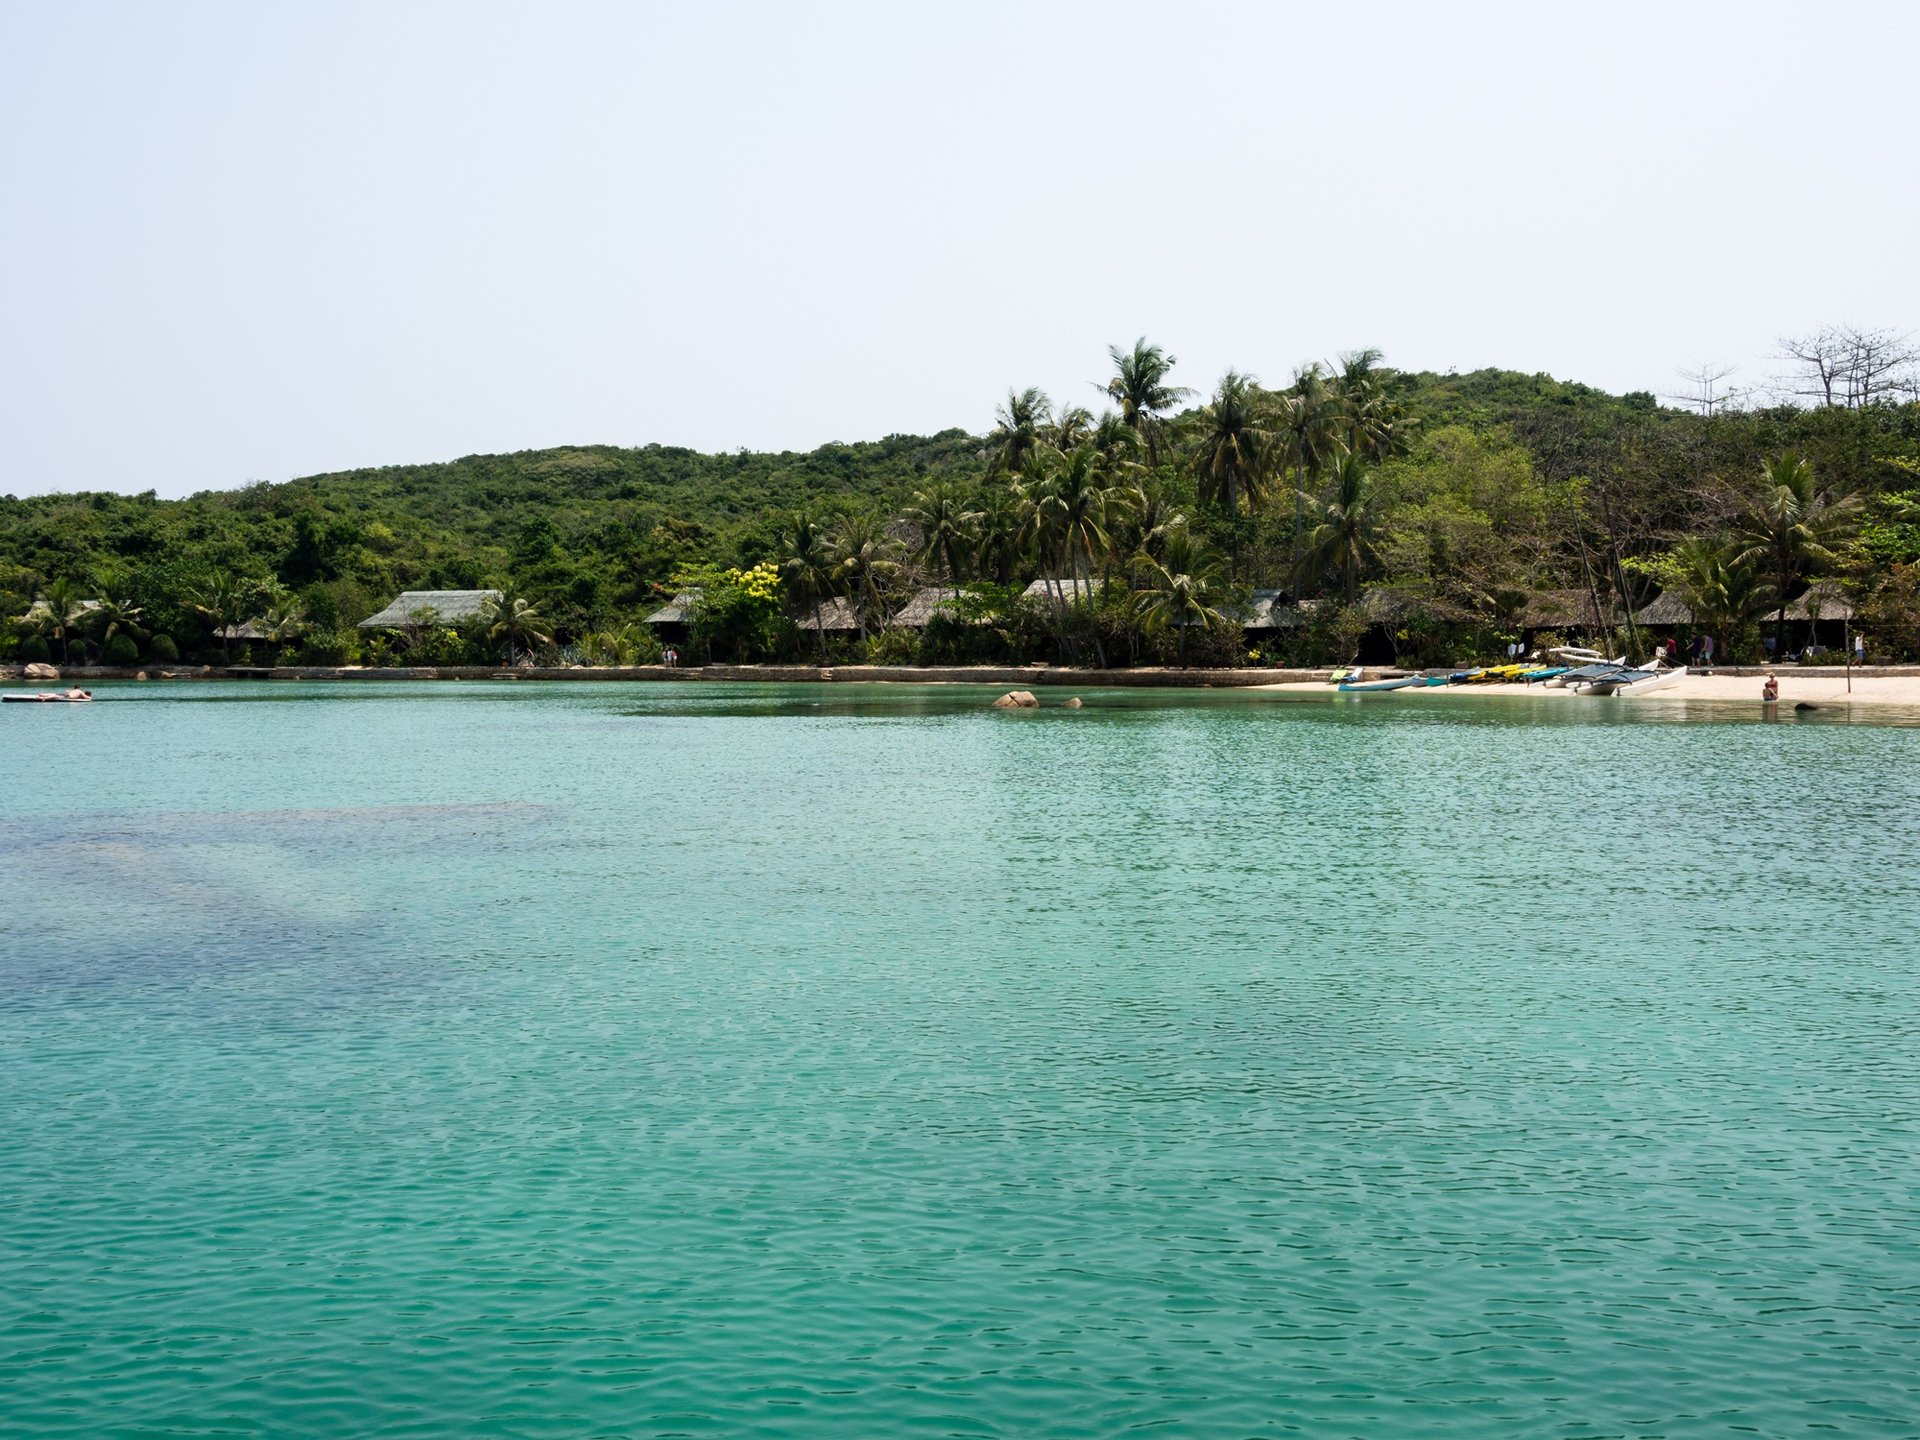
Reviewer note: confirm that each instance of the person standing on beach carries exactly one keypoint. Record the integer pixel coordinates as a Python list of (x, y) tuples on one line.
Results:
[(1706, 651)]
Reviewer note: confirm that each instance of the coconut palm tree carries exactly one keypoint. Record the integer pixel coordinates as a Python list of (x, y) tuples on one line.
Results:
[(1119, 444), (1795, 528), (1235, 448), (1072, 500), (1372, 424), (1072, 427), (1139, 387), (948, 528), (1017, 429), (1309, 430), (1723, 586), (511, 620), (66, 608), (1181, 588), (805, 554), (1344, 541), (115, 614), (866, 561), (223, 602), (1001, 531), (283, 619)]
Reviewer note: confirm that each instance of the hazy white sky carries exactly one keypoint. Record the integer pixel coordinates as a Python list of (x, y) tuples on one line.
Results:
[(256, 241)]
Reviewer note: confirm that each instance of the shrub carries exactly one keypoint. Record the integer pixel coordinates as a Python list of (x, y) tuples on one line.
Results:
[(34, 648), (162, 649), (333, 645), (894, 647), (120, 650)]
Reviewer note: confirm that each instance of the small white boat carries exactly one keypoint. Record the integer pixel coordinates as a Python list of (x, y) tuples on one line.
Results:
[(1584, 671), (1659, 680)]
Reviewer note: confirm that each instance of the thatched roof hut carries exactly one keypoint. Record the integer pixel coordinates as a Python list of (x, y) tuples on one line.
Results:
[(836, 616), (437, 607), (925, 603), (1262, 613), (246, 630), (40, 609), (678, 610), (1070, 588), (1666, 612), (1568, 610), (1826, 597)]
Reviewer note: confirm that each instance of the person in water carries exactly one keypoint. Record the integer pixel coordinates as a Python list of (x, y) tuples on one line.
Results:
[(1770, 692)]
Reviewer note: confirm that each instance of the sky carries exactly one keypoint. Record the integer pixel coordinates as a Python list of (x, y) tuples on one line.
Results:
[(248, 242)]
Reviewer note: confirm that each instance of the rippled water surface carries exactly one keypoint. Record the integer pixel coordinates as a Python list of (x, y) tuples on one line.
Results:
[(514, 1060)]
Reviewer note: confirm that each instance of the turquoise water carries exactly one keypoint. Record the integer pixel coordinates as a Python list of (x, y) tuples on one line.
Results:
[(515, 1060)]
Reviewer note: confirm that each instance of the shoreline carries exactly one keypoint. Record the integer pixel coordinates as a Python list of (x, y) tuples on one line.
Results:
[(1824, 685)]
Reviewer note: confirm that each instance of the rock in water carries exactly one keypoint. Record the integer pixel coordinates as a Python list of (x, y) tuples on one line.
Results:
[(40, 670), (1073, 702), (1017, 700)]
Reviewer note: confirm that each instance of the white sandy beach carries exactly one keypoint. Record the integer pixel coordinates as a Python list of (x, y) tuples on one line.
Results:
[(1820, 689)]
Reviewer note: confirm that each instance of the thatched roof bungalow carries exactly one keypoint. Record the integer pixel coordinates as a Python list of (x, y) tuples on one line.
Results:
[(436, 607), (40, 609), (837, 617), (1069, 588), (1826, 597), (1568, 610), (1669, 612), (924, 604), (677, 611)]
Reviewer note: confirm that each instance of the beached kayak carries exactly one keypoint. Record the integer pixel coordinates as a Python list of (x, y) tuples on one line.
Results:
[(1400, 682)]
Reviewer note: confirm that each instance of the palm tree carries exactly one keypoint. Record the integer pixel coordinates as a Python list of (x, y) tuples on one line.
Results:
[(1017, 428), (1072, 427), (1180, 590), (1796, 527), (284, 618), (1235, 445), (1002, 531), (1072, 499), (1723, 586), (865, 561), (1117, 442), (115, 614), (66, 608), (512, 620), (1139, 387), (1344, 542), (1309, 430), (806, 556), (948, 528), (223, 602), (1372, 424)]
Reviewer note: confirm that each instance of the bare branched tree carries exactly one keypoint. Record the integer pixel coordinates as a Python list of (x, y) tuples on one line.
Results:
[(1849, 366), (1703, 394)]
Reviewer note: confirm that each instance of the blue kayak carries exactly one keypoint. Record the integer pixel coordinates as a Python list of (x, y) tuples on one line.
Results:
[(1366, 685)]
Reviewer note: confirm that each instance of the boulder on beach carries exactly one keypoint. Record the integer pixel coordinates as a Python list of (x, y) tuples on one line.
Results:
[(40, 670), (1017, 700)]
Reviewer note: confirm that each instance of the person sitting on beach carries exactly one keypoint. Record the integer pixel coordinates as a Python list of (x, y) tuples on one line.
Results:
[(1770, 692)]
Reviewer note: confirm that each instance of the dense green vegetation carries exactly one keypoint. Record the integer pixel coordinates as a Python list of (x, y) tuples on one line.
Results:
[(1422, 512)]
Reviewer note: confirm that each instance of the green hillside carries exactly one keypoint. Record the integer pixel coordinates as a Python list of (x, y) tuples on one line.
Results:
[(1477, 488)]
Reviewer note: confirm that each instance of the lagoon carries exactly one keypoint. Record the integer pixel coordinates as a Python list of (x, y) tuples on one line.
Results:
[(549, 1060)]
